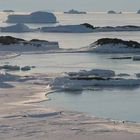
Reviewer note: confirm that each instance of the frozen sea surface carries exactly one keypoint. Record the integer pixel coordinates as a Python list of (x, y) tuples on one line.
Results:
[(108, 103)]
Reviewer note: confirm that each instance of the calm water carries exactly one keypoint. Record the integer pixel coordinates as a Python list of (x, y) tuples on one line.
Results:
[(108, 103)]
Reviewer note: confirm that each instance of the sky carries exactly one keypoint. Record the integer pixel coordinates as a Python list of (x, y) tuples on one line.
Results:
[(63, 5)]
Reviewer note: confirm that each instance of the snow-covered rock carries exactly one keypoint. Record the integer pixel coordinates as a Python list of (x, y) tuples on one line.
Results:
[(112, 45), (35, 17), (85, 28), (81, 28), (18, 28), (117, 28), (8, 43)]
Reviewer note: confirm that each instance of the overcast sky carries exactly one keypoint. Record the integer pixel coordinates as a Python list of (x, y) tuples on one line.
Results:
[(60, 5)]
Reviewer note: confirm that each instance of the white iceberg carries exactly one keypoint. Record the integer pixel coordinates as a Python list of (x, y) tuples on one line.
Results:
[(18, 28), (35, 17)]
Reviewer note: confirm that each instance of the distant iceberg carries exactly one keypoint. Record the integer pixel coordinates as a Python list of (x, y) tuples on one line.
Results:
[(72, 11), (36, 17), (18, 28)]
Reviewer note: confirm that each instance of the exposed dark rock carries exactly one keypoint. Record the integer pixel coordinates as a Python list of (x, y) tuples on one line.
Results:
[(7, 40), (10, 67), (125, 57), (88, 78)]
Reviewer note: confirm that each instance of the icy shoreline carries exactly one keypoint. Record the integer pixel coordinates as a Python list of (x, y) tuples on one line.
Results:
[(39, 119)]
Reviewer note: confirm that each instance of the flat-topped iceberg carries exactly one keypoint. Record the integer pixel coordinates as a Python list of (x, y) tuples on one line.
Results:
[(81, 28), (18, 28), (8, 43), (113, 45), (35, 17)]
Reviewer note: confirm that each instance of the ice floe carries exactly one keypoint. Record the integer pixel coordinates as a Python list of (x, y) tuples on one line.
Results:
[(73, 81)]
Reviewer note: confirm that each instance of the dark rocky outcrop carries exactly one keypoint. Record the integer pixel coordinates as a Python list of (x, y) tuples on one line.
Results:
[(7, 40)]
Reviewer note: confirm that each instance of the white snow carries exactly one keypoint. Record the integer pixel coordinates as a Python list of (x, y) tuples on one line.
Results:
[(35, 17), (18, 28)]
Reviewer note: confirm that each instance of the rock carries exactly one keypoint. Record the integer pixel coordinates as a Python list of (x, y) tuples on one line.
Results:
[(26, 68), (10, 67), (111, 12)]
